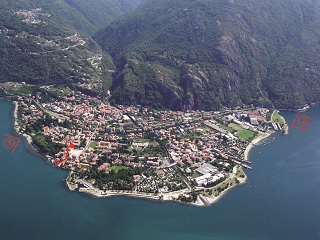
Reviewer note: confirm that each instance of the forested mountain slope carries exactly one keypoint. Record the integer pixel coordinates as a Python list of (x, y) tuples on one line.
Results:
[(44, 41), (204, 54), (101, 12)]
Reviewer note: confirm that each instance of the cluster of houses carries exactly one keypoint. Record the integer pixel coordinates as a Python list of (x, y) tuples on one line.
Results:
[(209, 174), (30, 16), (162, 181), (97, 129)]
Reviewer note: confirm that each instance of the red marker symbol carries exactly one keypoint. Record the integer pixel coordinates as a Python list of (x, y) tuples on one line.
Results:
[(66, 157), (10, 142), (301, 122)]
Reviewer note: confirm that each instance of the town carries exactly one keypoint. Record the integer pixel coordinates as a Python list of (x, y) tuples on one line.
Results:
[(191, 156)]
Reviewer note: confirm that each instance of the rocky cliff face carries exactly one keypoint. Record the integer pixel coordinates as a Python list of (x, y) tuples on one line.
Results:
[(218, 53)]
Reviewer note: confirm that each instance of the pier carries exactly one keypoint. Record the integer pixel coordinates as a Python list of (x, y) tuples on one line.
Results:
[(242, 163)]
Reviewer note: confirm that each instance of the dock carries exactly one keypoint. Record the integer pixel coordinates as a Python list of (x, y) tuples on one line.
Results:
[(240, 162)]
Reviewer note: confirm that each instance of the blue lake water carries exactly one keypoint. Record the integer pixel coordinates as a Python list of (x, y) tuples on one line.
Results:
[(281, 199)]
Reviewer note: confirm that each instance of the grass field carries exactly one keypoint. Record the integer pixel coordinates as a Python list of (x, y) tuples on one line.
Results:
[(196, 174), (92, 145), (285, 129), (144, 140), (117, 168), (241, 132), (275, 117), (240, 171), (229, 129)]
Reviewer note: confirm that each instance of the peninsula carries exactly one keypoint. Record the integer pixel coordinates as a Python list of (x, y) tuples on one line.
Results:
[(193, 157)]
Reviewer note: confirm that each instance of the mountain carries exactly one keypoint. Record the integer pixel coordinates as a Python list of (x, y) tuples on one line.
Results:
[(204, 54), (34, 48), (58, 13), (101, 12), (80, 15), (46, 41)]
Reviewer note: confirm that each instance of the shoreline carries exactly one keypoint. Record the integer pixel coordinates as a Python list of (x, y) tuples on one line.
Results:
[(16, 127), (16, 130), (208, 201), (211, 201), (88, 191), (202, 201), (252, 144), (299, 109)]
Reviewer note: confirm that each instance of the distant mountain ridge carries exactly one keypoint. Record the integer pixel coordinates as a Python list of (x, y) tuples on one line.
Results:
[(205, 54), (81, 15), (101, 12)]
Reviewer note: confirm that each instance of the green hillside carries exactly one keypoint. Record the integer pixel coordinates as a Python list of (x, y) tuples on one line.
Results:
[(58, 13), (35, 50), (101, 12), (203, 54), (45, 42), (80, 15)]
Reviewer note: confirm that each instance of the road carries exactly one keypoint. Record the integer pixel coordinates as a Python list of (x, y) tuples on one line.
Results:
[(53, 114)]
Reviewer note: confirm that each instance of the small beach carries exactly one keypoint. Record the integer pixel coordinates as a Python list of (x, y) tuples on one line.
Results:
[(253, 143), (17, 127)]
